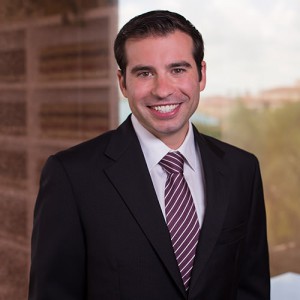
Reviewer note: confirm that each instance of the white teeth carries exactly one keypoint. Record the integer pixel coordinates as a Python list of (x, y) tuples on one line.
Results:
[(165, 108)]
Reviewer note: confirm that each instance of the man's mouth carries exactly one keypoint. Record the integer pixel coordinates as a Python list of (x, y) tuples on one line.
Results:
[(165, 108)]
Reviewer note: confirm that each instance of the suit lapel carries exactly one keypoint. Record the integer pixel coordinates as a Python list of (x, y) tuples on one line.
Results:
[(129, 174), (216, 204)]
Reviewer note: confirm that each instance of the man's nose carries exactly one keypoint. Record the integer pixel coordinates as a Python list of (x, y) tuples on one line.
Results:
[(162, 87)]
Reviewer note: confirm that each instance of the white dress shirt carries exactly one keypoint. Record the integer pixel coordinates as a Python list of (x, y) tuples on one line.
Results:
[(154, 150)]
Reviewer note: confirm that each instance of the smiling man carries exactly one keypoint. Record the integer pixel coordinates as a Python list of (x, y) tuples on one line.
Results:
[(162, 84), (153, 209)]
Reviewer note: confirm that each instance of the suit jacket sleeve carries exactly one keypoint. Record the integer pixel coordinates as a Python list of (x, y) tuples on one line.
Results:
[(254, 280), (58, 252)]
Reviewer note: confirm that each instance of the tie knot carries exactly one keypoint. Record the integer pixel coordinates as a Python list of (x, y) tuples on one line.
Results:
[(172, 162)]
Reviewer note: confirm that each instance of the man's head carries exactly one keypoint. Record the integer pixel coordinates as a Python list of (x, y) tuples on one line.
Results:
[(157, 23), (162, 72)]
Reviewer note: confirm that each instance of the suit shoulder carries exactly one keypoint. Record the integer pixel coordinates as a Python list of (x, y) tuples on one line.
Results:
[(230, 152), (86, 150)]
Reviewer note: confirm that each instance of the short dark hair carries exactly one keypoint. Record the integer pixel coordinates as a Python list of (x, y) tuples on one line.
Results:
[(157, 23)]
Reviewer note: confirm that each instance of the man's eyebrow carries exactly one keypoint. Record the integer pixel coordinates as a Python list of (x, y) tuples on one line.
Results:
[(180, 64), (140, 68)]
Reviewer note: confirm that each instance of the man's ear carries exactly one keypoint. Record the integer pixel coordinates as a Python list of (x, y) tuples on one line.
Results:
[(122, 83), (203, 78)]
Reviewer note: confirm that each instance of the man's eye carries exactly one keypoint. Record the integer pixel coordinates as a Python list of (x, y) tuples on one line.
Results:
[(178, 70), (144, 74)]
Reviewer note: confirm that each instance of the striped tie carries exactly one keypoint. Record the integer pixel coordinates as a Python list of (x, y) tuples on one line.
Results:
[(181, 215)]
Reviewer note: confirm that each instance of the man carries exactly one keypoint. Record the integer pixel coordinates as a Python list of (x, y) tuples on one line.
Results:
[(104, 226)]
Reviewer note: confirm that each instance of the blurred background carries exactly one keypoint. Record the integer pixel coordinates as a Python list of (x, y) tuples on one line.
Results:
[(58, 87)]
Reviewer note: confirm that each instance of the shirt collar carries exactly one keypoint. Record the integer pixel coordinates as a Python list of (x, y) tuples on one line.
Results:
[(154, 149)]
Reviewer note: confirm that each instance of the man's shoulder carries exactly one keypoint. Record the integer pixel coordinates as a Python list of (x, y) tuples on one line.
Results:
[(98, 144), (103, 147), (229, 153), (83, 157), (225, 146), (87, 148)]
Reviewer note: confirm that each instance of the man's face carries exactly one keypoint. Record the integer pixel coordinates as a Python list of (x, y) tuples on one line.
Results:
[(162, 84)]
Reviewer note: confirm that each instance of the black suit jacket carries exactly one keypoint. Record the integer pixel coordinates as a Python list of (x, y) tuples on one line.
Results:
[(99, 232)]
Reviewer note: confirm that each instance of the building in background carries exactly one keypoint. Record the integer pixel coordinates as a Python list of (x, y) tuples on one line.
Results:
[(220, 107), (57, 88)]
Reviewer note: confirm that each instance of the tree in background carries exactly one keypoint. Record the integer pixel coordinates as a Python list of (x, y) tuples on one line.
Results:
[(273, 135)]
